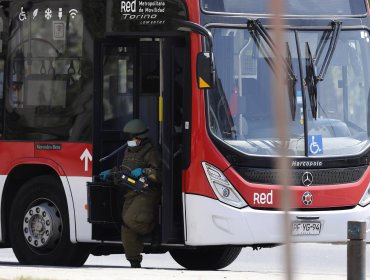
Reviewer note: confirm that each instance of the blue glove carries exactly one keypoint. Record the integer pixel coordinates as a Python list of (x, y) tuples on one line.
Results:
[(137, 172), (104, 175)]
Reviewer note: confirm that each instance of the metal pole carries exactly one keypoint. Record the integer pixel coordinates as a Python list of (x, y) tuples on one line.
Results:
[(282, 128), (356, 250)]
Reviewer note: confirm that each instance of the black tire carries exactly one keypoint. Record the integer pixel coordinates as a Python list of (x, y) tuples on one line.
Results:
[(206, 258), (43, 238)]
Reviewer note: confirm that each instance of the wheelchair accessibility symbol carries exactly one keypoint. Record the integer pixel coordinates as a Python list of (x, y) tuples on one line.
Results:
[(22, 15), (315, 145)]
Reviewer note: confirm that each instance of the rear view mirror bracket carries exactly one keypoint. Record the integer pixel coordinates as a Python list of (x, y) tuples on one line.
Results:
[(205, 60), (188, 26)]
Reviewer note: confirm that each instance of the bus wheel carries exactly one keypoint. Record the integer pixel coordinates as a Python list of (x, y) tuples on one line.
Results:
[(39, 226), (206, 258)]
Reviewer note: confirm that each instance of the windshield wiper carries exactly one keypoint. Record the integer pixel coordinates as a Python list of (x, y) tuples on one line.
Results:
[(311, 78), (336, 28), (292, 84), (255, 26)]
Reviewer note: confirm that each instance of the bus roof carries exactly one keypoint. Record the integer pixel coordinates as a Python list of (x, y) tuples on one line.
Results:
[(299, 8)]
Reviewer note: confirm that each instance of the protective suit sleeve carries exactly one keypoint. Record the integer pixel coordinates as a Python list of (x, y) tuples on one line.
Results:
[(154, 169)]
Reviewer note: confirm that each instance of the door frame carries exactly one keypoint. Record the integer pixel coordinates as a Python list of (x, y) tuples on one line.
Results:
[(166, 221)]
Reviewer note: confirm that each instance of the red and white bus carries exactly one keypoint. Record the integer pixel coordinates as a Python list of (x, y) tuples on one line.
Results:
[(200, 74)]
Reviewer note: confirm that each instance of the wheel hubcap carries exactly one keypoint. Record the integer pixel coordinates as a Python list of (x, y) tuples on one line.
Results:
[(42, 225)]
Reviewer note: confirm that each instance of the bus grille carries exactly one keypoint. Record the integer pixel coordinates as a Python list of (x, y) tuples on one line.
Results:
[(332, 176)]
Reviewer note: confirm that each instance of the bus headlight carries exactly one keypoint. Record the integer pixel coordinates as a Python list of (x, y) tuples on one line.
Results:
[(223, 189), (365, 200)]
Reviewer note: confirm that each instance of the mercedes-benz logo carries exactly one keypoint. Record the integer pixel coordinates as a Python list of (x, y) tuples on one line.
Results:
[(307, 179)]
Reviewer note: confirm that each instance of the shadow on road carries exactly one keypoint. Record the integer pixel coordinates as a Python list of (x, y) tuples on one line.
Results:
[(2, 264), (16, 264)]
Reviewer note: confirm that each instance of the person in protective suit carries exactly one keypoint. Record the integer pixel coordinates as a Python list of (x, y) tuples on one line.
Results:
[(139, 212)]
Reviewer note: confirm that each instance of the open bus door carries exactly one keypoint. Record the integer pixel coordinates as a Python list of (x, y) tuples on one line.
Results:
[(140, 78), (176, 141)]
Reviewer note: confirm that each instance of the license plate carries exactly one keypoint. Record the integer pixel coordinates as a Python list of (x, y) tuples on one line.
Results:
[(306, 228)]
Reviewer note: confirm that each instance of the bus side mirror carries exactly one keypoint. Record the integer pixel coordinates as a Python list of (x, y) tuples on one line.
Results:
[(205, 70)]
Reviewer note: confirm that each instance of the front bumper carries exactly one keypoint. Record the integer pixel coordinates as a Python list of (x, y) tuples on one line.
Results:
[(210, 222)]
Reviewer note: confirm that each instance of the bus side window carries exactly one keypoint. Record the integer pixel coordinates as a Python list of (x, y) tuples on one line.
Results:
[(49, 86)]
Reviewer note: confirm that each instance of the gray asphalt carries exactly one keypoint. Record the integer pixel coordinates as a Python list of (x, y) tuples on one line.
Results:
[(310, 261)]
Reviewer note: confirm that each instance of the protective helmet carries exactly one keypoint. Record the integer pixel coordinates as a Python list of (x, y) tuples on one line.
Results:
[(136, 128)]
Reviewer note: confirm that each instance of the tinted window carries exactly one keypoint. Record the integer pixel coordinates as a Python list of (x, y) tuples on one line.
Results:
[(118, 86), (49, 92), (149, 67)]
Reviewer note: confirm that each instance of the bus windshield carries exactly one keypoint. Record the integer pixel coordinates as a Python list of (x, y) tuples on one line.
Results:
[(292, 7), (241, 106)]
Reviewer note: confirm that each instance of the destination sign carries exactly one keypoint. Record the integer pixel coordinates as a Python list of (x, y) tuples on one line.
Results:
[(144, 12), (141, 15)]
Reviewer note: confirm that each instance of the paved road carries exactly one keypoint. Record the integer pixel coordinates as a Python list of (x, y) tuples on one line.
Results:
[(311, 262)]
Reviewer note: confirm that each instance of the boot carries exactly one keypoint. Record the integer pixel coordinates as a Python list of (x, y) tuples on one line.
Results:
[(135, 264)]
